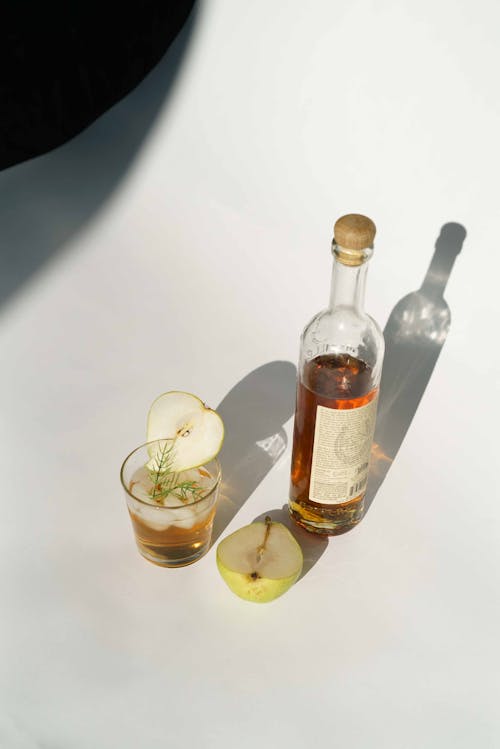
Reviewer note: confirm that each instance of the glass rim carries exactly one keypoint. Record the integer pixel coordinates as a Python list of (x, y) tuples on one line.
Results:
[(217, 478)]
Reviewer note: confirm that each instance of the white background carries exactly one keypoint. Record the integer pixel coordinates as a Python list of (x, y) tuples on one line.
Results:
[(203, 263)]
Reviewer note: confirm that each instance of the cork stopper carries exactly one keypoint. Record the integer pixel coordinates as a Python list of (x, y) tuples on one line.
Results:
[(353, 237)]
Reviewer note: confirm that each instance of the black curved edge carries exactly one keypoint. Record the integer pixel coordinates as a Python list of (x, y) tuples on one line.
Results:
[(65, 65)]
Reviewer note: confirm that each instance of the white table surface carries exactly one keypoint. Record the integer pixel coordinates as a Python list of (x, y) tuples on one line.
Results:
[(203, 257)]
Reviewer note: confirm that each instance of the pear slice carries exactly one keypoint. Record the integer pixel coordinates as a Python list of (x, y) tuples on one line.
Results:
[(198, 430), (259, 562)]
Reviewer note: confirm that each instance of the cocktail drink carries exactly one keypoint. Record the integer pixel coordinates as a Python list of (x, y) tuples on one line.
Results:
[(171, 512)]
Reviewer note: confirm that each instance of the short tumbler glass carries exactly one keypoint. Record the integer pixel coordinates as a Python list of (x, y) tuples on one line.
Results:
[(176, 531)]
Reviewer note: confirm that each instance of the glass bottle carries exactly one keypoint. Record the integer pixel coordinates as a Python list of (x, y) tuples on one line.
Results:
[(340, 364)]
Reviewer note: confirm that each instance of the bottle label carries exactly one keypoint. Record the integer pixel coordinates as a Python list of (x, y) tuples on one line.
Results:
[(341, 453)]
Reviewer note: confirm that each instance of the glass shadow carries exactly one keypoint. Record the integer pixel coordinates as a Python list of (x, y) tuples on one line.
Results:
[(254, 412), (414, 336)]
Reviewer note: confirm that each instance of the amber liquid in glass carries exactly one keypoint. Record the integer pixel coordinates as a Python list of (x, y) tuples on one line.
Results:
[(170, 545), (334, 381), (177, 535)]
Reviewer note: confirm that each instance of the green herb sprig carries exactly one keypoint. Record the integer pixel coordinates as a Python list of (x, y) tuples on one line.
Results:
[(166, 481)]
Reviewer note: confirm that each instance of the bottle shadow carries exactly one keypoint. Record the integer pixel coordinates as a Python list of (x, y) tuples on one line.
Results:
[(414, 336), (254, 412), (45, 201)]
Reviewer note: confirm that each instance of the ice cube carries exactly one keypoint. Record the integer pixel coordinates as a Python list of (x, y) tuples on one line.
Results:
[(173, 501), (184, 518), (157, 518), (172, 510), (140, 485)]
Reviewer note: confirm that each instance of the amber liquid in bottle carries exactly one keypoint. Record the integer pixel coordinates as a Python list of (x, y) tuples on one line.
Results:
[(337, 381)]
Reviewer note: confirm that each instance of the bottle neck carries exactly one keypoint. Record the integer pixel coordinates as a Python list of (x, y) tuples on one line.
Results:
[(348, 285)]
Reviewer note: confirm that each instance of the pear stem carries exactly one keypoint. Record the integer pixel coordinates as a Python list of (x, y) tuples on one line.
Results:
[(261, 548)]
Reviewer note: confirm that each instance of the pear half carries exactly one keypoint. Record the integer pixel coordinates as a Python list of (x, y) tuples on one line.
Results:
[(259, 562), (198, 430)]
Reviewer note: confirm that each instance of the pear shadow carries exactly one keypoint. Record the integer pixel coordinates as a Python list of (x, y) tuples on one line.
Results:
[(415, 333), (254, 412), (313, 546), (45, 201)]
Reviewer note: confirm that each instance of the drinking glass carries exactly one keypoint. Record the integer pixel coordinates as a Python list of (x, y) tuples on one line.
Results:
[(171, 528)]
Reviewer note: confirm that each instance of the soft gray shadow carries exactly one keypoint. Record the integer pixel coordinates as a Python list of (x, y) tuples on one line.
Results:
[(312, 544), (414, 336), (47, 200), (253, 412)]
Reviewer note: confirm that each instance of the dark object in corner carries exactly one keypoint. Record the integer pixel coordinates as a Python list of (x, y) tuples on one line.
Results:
[(63, 65)]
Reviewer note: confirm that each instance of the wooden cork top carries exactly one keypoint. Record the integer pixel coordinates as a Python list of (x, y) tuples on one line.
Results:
[(354, 232)]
